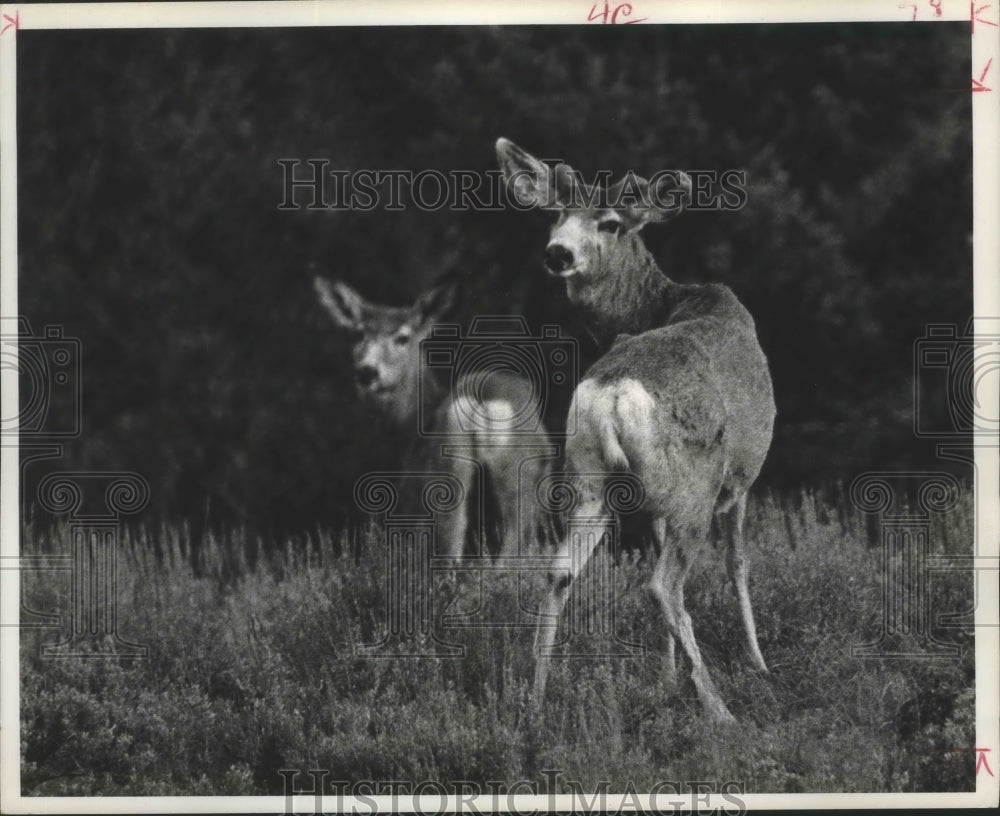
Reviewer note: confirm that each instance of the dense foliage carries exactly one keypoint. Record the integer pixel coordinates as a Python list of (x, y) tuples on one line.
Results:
[(149, 187)]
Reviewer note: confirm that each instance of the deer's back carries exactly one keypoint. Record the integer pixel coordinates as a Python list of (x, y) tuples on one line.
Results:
[(489, 408), (707, 382)]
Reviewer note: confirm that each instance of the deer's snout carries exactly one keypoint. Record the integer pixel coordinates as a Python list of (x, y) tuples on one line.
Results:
[(558, 258), (366, 375)]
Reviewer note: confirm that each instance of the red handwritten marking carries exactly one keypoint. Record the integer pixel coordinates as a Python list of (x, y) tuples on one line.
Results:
[(974, 15), (936, 5), (909, 5), (980, 756), (12, 22), (978, 86), (981, 760), (625, 9)]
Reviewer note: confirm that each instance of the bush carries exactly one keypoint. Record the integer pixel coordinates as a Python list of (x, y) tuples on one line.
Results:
[(262, 672)]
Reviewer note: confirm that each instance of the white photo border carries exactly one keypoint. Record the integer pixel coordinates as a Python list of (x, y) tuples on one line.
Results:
[(985, 50)]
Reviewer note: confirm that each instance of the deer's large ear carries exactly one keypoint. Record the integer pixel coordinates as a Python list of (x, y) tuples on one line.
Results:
[(658, 200), (346, 307), (669, 194), (533, 183), (438, 303)]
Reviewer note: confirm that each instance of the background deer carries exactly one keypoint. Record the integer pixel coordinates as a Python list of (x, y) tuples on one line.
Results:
[(478, 412), (682, 398)]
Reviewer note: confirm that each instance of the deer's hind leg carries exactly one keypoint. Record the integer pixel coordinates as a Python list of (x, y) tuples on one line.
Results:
[(678, 550), (522, 515), (731, 523), (453, 527)]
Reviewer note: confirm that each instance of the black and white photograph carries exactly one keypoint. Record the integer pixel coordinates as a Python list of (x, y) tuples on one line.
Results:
[(465, 408)]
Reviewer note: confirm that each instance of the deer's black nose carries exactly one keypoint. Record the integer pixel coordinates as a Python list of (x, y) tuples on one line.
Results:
[(366, 375), (557, 258)]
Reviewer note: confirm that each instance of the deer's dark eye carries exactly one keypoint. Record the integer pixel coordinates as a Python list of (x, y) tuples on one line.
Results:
[(401, 339), (610, 225)]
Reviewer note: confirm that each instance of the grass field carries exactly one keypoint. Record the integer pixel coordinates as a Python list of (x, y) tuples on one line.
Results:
[(251, 671)]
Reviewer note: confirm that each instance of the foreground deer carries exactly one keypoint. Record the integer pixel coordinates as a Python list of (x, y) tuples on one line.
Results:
[(476, 414), (682, 398)]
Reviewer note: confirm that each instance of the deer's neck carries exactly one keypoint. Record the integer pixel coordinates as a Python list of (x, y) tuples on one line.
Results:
[(630, 299)]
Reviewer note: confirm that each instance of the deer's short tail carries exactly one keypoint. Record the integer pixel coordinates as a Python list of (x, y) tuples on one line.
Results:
[(611, 447)]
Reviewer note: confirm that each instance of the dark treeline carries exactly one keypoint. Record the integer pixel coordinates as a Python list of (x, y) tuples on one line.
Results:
[(149, 189)]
